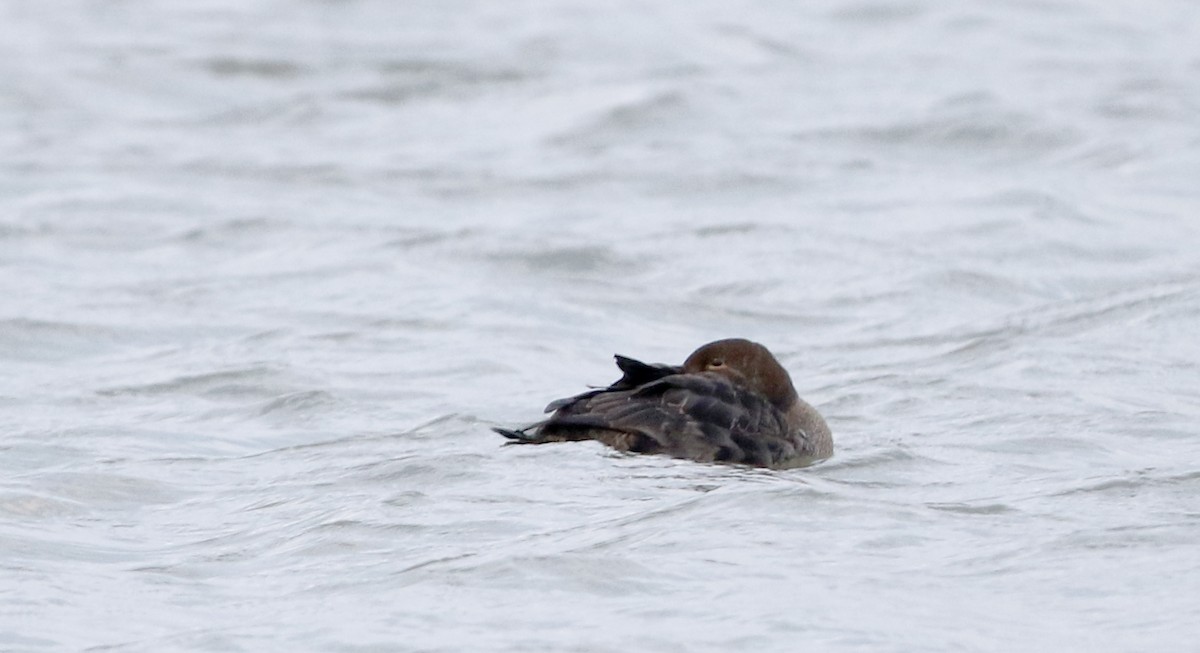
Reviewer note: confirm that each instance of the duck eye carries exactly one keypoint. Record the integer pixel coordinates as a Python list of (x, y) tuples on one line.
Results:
[(716, 362)]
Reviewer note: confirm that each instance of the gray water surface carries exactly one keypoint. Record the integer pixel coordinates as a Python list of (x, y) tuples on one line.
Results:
[(269, 271)]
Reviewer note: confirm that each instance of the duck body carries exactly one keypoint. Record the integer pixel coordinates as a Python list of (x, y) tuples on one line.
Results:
[(730, 402)]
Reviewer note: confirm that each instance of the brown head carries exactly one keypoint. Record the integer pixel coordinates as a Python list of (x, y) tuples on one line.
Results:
[(747, 364)]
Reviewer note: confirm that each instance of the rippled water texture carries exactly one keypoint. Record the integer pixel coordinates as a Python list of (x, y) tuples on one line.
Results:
[(269, 271)]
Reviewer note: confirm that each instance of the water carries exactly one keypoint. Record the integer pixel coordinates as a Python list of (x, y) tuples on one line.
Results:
[(269, 271)]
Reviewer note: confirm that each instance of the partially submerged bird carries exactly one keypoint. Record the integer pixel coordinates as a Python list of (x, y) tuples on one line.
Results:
[(730, 401)]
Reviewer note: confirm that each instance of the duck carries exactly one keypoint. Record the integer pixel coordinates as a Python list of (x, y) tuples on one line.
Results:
[(731, 401)]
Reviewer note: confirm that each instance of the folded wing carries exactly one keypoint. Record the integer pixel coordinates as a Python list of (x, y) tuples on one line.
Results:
[(658, 409)]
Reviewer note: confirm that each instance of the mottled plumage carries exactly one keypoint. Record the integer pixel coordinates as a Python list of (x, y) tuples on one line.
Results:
[(730, 401)]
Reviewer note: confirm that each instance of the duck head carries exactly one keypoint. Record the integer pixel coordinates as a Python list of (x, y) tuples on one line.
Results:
[(747, 364)]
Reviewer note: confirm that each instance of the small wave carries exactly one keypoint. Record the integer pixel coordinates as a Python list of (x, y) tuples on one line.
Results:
[(48, 340), (241, 382), (33, 506), (266, 68), (403, 81), (613, 117), (981, 131), (973, 508), (298, 402), (1130, 483)]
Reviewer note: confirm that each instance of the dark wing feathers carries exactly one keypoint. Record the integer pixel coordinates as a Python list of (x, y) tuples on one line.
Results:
[(565, 401), (658, 409), (635, 374)]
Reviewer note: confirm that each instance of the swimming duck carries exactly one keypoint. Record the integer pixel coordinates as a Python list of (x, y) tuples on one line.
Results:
[(730, 402)]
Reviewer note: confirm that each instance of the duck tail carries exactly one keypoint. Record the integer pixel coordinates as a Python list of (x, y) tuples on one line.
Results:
[(518, 436)]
